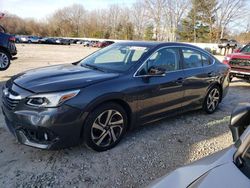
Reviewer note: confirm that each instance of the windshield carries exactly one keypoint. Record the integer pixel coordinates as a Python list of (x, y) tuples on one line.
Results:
[(118, 57), (246, 49)]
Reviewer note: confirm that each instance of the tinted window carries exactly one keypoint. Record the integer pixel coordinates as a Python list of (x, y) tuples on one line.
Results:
[(167, 58), (191, 59)]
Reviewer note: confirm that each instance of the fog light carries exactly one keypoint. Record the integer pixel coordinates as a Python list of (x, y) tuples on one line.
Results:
[(46, 136)]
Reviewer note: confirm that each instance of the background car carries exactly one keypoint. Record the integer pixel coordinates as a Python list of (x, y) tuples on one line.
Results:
[(7, 49), (104, 44), (86, 43), (22, 39), (48, 41), (227, 168), (239, 63), (62, 41), (98, 99), (232, 43), (34, 39), (80, 42), (223, 43)]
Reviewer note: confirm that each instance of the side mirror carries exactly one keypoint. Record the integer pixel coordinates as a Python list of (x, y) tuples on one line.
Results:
[(156, 71), (240, 120)]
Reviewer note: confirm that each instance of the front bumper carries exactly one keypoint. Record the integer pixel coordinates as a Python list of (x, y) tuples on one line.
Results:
[(240, 74), (51, 128)]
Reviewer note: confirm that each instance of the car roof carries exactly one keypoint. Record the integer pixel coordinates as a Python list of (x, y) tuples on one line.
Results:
[(152, 44)]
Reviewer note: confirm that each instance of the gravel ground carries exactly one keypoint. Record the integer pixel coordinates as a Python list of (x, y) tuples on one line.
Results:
[(142, 156)]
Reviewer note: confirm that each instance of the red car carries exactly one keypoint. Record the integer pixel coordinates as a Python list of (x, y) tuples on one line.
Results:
[(239, 61), (104, 44)]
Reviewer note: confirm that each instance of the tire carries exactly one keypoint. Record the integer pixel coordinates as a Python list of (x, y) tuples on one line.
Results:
[(4, 60), (212, 100), (105, 126)]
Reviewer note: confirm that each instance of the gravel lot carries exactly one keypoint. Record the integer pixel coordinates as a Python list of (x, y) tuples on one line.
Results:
[(142, 156)]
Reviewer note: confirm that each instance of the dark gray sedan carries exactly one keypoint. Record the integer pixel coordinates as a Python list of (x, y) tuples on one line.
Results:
[(117, 88)]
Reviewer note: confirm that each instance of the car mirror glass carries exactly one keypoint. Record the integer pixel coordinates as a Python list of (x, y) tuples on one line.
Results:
[(242, 144), (240, 120)]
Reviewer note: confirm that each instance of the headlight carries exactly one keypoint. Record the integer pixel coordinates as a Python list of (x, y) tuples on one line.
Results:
[(226, 58), (51, 99)]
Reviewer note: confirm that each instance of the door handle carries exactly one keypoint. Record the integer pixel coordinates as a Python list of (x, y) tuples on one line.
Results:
[(179, 81)]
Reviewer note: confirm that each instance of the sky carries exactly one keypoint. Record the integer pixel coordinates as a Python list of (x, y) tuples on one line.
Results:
[(39, 9)]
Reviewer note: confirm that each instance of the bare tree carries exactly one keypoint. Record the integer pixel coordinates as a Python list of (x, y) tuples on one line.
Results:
[(139, 19), (68, 21), (174, 13), (155, 14), (228, 11)]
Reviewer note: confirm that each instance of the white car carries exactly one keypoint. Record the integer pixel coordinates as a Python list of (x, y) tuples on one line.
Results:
[(229, 168), (86, 44)]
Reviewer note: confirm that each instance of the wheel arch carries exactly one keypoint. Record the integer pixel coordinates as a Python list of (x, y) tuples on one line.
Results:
[(214, 85), (5, 50), (112, 99)]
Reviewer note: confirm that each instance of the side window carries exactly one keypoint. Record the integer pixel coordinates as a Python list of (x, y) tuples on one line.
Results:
[(191, 58), (167, 58), (206, 60)]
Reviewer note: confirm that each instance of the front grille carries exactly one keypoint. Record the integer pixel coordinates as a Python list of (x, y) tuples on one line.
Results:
[(8, 101), (240, 62)]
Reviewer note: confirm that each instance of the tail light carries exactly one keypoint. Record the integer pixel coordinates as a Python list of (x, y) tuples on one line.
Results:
[(12, 39)]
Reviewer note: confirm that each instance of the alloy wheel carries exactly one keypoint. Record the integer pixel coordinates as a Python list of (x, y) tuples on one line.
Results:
[(4, 60), (213, 99), (107, 128)]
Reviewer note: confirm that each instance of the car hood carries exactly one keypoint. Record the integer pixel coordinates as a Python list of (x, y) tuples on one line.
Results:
[(60, 77), (187, 175), (240, 55)]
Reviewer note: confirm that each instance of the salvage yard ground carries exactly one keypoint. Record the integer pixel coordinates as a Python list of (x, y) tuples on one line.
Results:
[(142, 156)]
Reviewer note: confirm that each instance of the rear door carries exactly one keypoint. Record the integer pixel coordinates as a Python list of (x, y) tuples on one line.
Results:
[(198, 74)]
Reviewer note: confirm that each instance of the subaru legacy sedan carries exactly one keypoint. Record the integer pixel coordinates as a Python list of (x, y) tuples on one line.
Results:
[(98, 99)]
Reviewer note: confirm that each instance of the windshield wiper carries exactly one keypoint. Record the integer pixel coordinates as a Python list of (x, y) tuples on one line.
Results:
[(93, 67)]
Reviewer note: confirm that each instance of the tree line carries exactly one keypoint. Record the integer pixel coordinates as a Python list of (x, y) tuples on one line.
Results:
[(161, 20)]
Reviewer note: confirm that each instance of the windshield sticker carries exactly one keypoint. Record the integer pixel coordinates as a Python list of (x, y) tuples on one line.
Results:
[(139, 48)]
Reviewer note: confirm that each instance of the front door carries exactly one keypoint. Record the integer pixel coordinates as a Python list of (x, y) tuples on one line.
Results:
[(160, 94)]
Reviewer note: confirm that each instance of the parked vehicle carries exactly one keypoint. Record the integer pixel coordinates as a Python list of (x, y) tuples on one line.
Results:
[(62, 41), (115, 89), (80, 42), (104, 44), (73, 41), (48, 41), (239, 61), (225, 43), (7, 49), (227, 168), (33, 39), (232, 43), (22, 39), (86, 44)]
